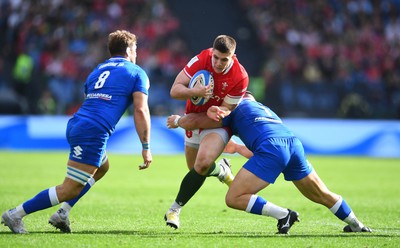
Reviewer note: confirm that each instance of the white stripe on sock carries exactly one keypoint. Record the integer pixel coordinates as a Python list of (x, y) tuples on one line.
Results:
[(53, 196), (253, 199), (336, 207), (91, 181)]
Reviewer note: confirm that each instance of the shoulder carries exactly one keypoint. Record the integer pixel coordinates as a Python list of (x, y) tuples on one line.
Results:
[(239, 69), (199, 62), (204, 55), (206, 52), (135, 69)]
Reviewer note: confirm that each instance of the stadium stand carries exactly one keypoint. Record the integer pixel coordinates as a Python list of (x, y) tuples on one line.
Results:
[(331, 58)]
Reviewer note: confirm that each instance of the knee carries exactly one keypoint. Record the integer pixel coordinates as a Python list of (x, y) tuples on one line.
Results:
[(202, 165), (230, 200)]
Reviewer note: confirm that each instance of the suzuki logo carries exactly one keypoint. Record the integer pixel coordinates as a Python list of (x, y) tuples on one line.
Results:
[(78, 152)]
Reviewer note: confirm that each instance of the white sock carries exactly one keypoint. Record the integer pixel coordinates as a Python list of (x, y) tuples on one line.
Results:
[(353, 222), (19, 211), (275, 211), (176, 206), (66, 207)]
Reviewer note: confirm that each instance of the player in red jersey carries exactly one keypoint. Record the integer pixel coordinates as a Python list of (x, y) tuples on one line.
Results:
[(204, 146)]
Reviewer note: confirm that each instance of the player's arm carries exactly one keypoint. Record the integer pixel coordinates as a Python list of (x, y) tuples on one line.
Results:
[(217, 113), (141, 117), (231, 100), (233, 147), (181, 91), (192, 121), (200, 120)]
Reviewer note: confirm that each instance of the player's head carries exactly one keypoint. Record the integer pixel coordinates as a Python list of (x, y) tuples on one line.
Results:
[(223, 50), (122, 43)]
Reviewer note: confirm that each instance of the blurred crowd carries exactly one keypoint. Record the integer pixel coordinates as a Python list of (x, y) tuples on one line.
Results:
[(48, 48), (334, 58)]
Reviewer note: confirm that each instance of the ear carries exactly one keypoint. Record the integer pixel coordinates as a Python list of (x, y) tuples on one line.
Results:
[(128, 51)]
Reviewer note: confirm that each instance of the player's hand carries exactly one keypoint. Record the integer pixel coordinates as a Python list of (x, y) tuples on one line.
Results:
[(147, 159), (216, 113), (200, 90), (171, 121)]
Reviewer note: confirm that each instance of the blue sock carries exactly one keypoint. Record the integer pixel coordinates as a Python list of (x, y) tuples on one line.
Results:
[(45, 199), (256, 205), (341, 209), (85, 189)]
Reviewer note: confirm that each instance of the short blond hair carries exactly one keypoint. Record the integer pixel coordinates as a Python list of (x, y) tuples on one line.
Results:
[(119, 41)]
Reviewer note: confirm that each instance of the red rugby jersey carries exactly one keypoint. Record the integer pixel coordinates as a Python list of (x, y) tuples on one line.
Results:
[(230, 84)]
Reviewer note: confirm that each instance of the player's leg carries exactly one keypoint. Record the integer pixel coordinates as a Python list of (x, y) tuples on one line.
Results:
[(77, 176), (87, 146), (213, 143), (190, 155), (314, 189), (67, 205), (60, 218), (209, 149), (252, 178), (192, 141)]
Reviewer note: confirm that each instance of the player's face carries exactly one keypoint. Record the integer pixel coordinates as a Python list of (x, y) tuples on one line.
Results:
[(221, 61)]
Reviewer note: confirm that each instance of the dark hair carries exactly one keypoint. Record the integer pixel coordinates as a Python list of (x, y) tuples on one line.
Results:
[(248, 92), (225, 44), (119, 41)]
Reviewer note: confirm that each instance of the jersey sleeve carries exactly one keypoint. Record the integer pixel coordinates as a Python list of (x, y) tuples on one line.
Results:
[(237, 93), (142, 82), (196, 64)]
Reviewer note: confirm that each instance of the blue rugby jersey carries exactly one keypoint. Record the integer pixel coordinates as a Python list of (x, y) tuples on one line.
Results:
[(253, 122), (109, 90)]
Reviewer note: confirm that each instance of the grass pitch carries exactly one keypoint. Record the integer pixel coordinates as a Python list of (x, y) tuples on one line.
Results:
[(126, 208)]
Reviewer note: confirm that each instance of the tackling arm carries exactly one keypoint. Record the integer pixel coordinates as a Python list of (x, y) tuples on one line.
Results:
[(217, 113), (192, 121), (200, 120)]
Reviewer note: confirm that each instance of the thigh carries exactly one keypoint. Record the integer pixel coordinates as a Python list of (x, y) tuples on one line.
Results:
[(246, 182), (90, 169), (190, 154), (105, 165), (210, 149), (71, 187), (87, 142), (221, 132)]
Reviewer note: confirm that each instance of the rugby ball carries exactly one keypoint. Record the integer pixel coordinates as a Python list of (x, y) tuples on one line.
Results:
[(205, 78)]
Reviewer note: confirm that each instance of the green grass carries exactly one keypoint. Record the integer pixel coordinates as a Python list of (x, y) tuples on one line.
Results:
[(126, 208)]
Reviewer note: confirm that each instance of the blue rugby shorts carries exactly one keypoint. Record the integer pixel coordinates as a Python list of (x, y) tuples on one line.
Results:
[(279, 155), (87, 141)]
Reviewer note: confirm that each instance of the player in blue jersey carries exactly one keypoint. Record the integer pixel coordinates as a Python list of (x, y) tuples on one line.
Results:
[(109, 90), (273, 149)]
